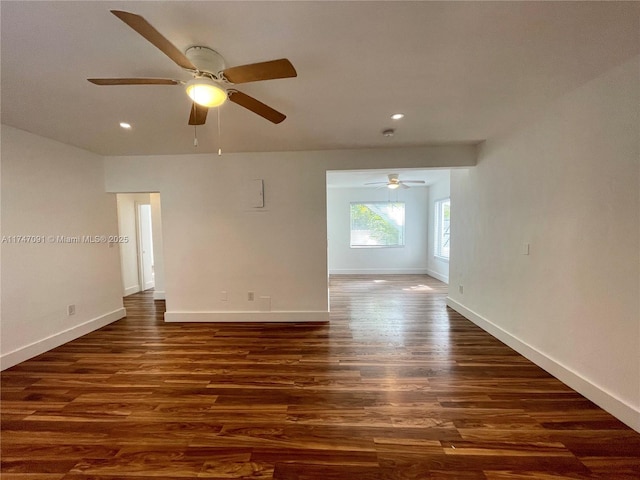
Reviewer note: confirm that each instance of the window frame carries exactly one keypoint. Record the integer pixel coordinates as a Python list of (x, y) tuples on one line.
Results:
[(378, 202), (438, 227)]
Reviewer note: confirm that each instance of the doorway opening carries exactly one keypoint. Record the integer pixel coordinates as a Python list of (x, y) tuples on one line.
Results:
[(146, 265), (141, 259), (377, 227)]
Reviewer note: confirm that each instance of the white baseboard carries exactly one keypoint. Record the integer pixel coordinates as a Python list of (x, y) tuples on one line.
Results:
[(618, 408), (438, 276), (21, 354), (131, 290), (251, 316), (149, 285), (158, 295), (378, 271)]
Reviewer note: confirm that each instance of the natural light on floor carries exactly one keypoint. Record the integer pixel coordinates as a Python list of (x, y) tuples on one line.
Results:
[(418, 288)]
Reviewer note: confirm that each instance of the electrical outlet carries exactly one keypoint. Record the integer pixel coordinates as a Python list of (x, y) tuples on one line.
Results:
[(71, 310), (250, 296), (460, 288), (223, 296)]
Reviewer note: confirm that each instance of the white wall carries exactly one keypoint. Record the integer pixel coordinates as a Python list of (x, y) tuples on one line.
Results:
[(412, 258), (437, 267), (127, 227), (52, 189), (214, 242), (567, 183)]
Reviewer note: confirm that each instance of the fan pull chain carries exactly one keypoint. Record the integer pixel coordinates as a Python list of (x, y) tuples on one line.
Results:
[(195, 127), (219, 137)]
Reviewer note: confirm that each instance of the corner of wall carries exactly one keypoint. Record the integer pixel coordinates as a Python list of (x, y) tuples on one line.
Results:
[(625, 412)]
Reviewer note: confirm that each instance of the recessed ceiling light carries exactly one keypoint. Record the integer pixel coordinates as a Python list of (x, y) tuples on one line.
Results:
[(388, 132), (125, 125), (397, 116)]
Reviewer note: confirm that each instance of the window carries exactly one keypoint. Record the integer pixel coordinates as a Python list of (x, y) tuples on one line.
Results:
[(442, 228), (377, 224)]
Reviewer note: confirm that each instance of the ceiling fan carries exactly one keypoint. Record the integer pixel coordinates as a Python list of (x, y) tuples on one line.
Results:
[(394, 182), (212, 82)]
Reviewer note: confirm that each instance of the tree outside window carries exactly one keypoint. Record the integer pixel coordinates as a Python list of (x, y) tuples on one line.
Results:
[(442, 228), (377, 224)]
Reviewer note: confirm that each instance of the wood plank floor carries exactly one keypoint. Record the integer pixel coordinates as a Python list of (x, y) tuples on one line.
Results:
[(397, 386)]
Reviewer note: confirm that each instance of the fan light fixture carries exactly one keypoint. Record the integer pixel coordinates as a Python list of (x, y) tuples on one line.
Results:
[(393, 186), (206, 92)]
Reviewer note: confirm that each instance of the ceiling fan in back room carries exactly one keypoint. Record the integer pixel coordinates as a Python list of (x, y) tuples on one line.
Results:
[(394, 182), (212, 82)]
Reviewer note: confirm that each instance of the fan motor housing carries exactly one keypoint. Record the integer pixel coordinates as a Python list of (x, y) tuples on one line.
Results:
[(206, 60)]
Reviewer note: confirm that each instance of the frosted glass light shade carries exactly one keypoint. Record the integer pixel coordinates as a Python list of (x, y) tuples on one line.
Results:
[(206, 92)]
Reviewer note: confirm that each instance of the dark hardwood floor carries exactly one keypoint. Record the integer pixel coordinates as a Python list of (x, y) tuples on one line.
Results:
[(397, 386)]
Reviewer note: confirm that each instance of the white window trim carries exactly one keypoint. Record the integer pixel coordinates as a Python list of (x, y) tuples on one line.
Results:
[(436, 242), (404, 232)]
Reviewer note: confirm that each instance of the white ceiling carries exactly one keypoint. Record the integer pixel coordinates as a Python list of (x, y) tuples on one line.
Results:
[(460, 71)]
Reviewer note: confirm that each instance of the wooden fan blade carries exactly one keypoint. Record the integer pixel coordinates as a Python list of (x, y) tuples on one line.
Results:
[(132, 81), (376, 183), (144, 28), (198, 114), (273, 69), (256, 106), (413, 181)]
